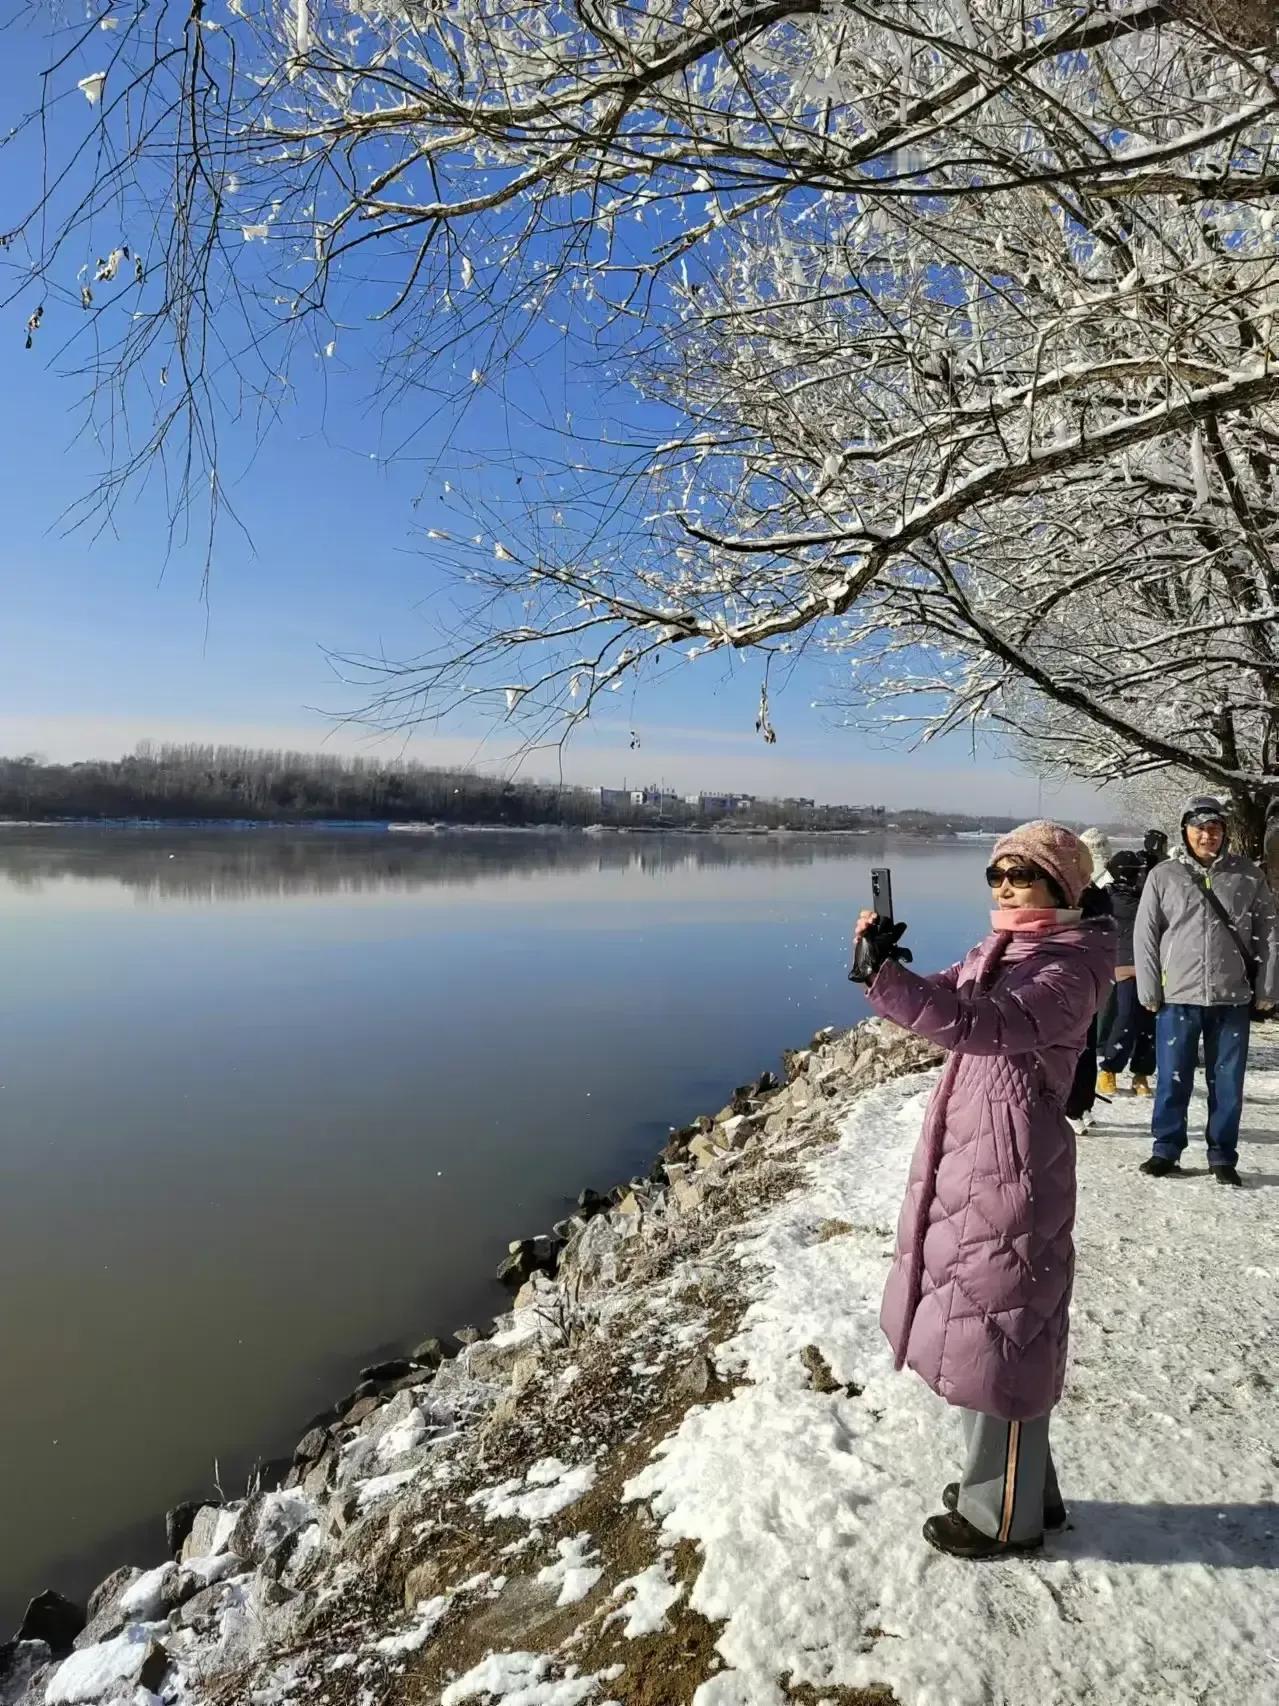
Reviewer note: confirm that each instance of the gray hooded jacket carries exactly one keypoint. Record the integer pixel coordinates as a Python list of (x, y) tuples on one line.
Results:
[(1183, 951)]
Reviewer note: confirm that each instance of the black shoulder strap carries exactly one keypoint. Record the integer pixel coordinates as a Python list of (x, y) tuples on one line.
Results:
[(1249, 959)]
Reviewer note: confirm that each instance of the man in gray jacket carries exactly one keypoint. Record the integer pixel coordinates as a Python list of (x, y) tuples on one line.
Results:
[(1193, 970)]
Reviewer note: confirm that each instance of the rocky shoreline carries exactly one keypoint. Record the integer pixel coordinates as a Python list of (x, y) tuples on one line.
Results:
[(428, 1491)]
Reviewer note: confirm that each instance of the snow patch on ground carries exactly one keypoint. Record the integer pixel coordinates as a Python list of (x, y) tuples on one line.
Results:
[(379, 1486), (573, 1572), (652, 1594), (426, 1619), (808, 1507), (548, 1488), (520, 1679)]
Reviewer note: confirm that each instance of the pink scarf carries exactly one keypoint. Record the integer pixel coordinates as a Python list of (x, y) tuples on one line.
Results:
[(1035, 919)]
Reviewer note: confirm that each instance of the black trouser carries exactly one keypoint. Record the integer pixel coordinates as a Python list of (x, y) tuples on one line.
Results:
[(1083, 1092), (1130, 1035)]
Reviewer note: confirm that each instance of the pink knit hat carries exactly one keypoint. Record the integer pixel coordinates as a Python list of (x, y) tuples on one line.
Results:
[(1056, 850)]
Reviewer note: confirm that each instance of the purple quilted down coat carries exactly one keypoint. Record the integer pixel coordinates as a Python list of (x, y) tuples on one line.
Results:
[(978, 1300)]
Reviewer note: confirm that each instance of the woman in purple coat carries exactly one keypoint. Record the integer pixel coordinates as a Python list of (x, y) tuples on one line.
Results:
[(978, 1299)]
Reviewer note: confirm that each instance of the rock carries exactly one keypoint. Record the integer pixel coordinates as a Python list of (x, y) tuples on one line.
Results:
[(695, 1380), (537, 1292), (383, 1371), (631, 1206), (738, 1131), (590, 1203), (313, 1444), (794, 1062), (592, 1258), (209, 1532), (429, 1354), (833, 1229), (468, 1335), (113, 1670), (21, 1663), (492, 1361), (525, 1370), (106, 1596), (154, 1666), (202, 1607), (422, 1582), (406, 1383), (705, 1152), (54, 1619), (258, 1528), (767, 1084), (343, 1514), (178, 1524), (360, 1411), (318, 1478), (821, 1377), (685, 1193), (527, 1257)]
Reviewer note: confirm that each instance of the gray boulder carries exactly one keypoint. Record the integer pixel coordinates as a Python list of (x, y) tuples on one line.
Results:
[(106, 1596), (22, 1664), (178, 1524), (313, 1444), (207, 1536)]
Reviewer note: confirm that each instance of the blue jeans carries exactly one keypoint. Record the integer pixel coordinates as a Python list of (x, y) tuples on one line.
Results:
[(1225, 1039)]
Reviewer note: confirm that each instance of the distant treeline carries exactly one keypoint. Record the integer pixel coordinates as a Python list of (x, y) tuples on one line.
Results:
[(225, 782)]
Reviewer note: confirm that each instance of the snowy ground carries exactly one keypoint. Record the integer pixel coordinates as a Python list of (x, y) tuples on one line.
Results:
[(686, 1472), (808, 1509)]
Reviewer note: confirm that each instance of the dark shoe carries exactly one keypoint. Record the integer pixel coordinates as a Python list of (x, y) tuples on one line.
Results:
[(1226, 1175), (1159, 1167), (1054, 1515), (953, 1535)]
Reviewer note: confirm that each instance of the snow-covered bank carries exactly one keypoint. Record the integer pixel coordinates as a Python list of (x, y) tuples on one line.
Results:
[(683, 1469)]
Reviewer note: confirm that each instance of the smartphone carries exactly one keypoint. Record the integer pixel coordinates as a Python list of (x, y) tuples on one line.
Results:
[(881, 891), (881, 900)]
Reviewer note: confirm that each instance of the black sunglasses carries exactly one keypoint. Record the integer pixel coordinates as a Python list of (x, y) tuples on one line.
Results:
[(1020, 876)]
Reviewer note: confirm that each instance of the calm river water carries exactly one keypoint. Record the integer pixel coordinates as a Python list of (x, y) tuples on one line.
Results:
[(273, 1103)]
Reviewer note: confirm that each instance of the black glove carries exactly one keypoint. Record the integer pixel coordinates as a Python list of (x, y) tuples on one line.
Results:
[(877, 943)]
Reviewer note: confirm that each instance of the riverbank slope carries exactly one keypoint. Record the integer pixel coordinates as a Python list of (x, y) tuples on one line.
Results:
[(683, 1468)]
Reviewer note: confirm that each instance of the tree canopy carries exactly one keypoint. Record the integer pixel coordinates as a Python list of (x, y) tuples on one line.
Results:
[(943, 330)]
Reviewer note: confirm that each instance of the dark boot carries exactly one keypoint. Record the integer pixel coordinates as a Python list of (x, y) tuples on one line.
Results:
[(958, 1538), (1226, 1175), (1054, 1515), (1159, 1167)]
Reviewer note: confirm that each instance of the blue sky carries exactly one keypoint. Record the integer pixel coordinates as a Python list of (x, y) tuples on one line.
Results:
[(103, 643)]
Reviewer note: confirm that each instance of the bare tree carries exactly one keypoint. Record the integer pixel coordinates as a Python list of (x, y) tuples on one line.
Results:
[(950, 325)]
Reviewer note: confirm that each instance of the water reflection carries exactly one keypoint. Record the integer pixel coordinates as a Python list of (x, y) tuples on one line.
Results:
[(223, 865)]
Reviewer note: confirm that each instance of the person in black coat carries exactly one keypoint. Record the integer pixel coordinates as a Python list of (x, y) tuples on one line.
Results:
[(1128, 1030), (1093, 903)]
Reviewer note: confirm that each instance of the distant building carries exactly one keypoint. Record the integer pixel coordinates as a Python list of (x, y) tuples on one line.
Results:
[(713, 805), (612, 799), (654, 799)]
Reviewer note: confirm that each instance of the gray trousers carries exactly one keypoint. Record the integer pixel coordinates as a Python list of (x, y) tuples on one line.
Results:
[(1008, 1476)]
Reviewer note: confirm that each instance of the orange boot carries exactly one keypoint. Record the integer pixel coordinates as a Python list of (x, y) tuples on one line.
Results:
[(1141, 1085), (1106, 1085)]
